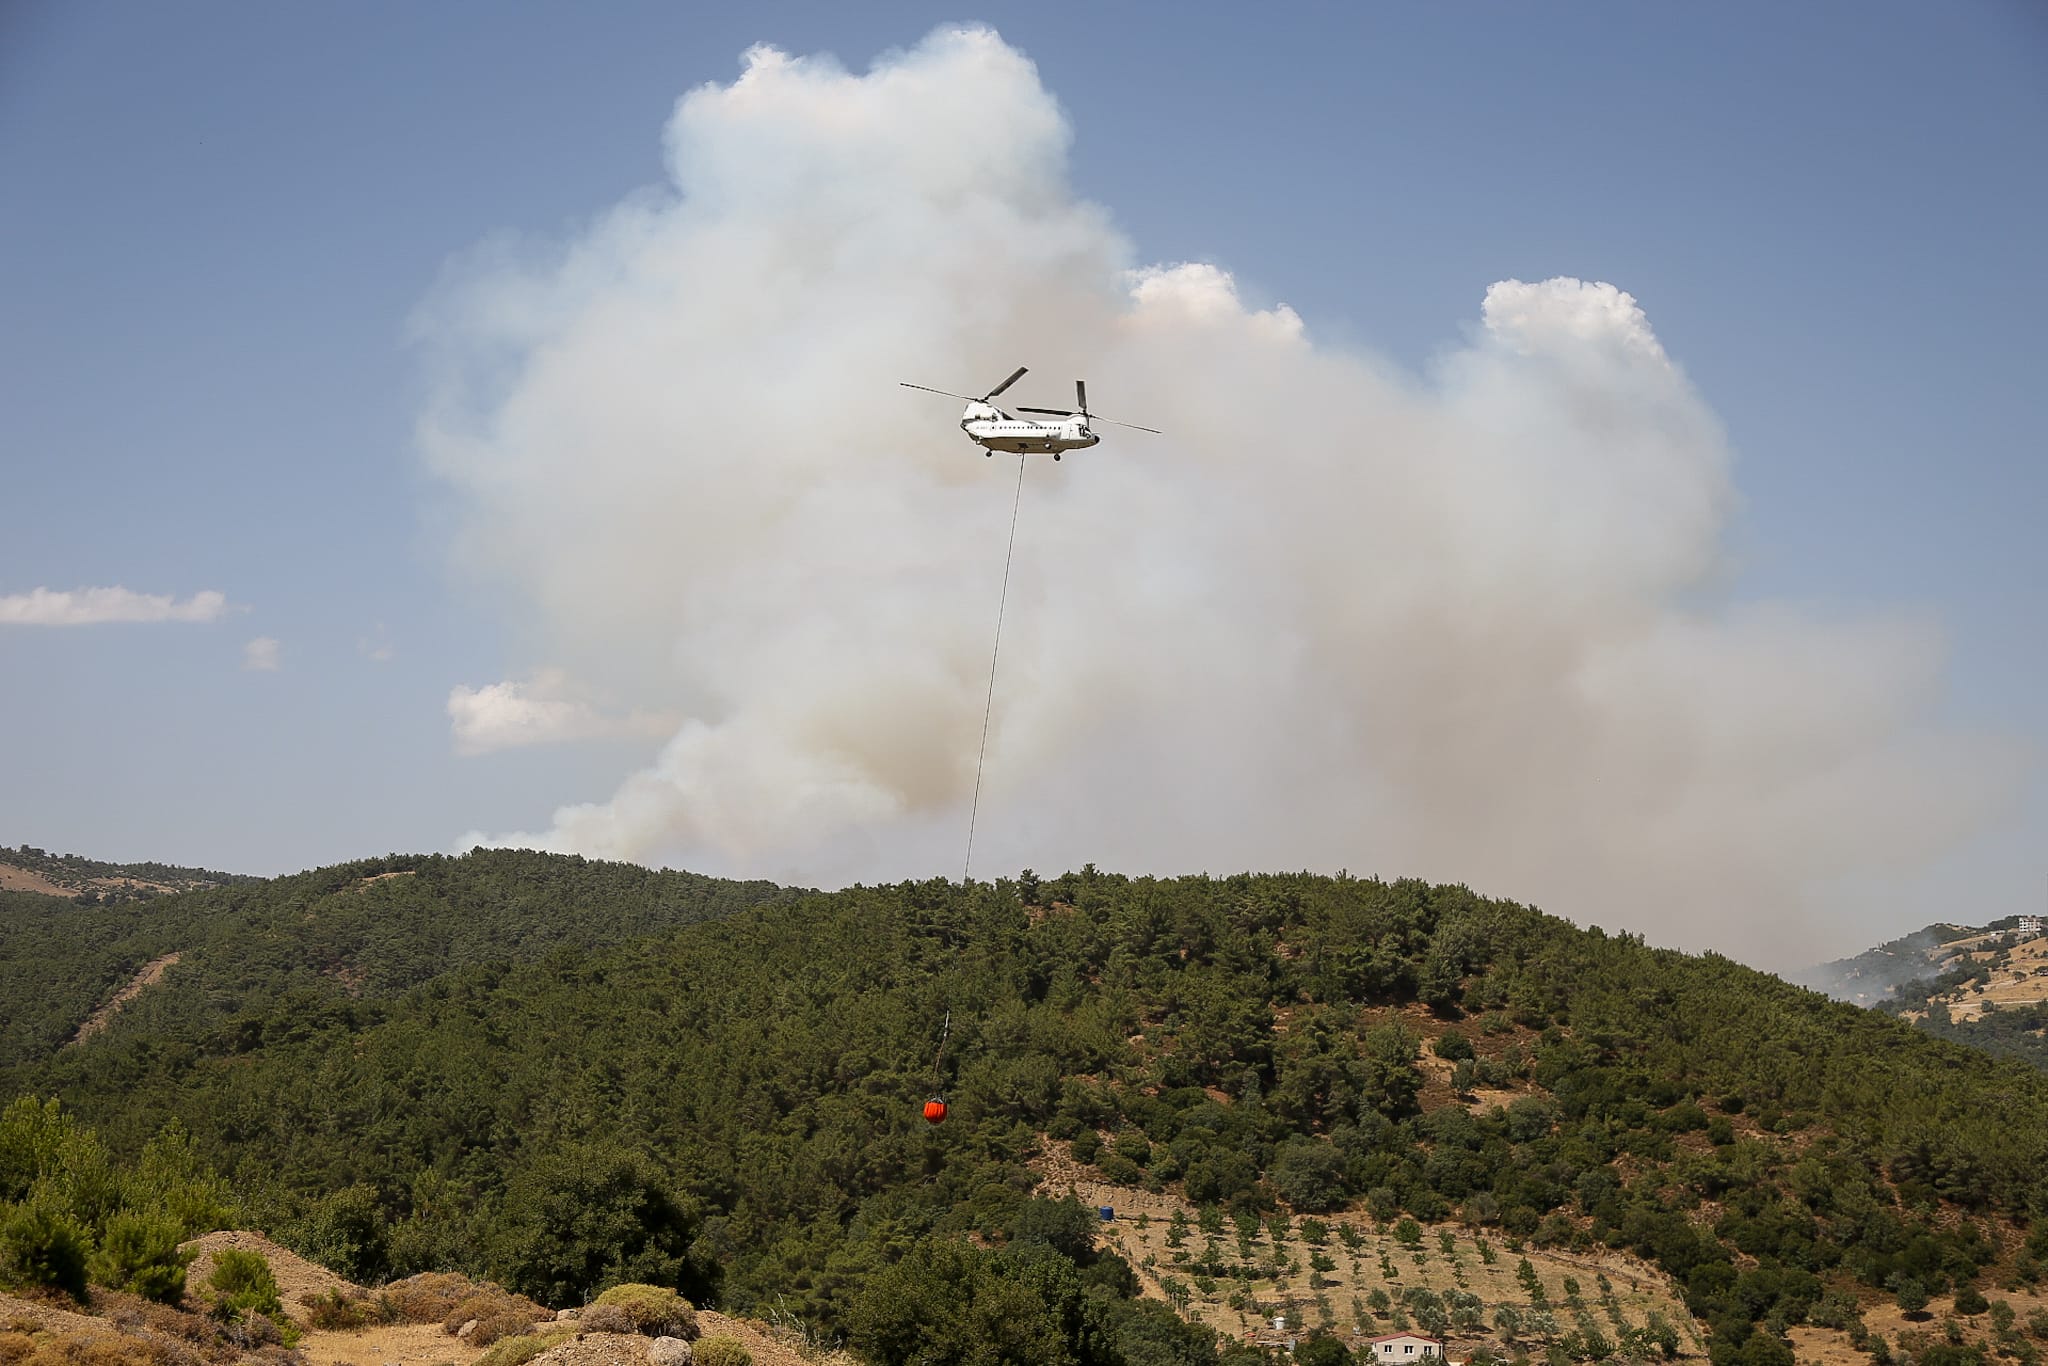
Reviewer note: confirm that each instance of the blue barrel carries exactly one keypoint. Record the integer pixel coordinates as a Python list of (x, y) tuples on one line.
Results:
[(1108, 1213)]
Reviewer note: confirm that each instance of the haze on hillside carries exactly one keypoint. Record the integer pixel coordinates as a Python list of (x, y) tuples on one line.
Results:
[(1467, 624)]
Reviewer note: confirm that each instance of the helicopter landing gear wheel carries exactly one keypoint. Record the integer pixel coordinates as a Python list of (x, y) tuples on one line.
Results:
[(1055, 455)]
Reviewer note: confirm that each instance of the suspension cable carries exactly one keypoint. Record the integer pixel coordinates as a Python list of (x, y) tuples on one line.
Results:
[(988, 706)]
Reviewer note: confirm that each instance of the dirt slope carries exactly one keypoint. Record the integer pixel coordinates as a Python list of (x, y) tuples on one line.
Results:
[(30, 1316), (14, 879), (296, 1277)]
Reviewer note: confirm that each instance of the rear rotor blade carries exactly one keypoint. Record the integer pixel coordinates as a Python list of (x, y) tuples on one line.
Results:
[(1004, 385), (1050, 412), (1081, 395), (1096, 417)]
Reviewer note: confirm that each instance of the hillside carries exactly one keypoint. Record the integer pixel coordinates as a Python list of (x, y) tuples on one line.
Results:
[(336, 939), (1986, 987), (28, 869), (555, 1072)]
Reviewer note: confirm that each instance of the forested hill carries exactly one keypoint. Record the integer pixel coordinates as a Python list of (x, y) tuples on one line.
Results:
[(559, 1073), (331, 939)]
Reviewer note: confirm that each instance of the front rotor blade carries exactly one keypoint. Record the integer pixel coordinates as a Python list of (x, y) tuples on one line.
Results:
[(1004, 385), (947, 392)]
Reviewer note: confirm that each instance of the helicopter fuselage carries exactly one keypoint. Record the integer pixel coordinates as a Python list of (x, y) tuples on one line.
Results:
[(999, 431)]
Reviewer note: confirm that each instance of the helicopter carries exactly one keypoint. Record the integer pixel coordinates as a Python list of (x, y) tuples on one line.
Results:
[(996, 430)]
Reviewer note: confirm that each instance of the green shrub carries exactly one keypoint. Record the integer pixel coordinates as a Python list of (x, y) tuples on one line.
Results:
[(33, 1137), (1119, 1170), (722, 1349), (346, 1231), (653, 1310), (139, 1253), (171, 1181), (242, 1284), (43, 1246), (1321, 1349), (520, 1350), (577, 1218)]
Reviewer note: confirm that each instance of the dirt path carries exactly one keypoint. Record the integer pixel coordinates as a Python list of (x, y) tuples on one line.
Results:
[(401, 1344), (152, 973)]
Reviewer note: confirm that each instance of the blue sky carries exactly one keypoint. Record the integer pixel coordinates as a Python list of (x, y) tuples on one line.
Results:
[(220, 225)]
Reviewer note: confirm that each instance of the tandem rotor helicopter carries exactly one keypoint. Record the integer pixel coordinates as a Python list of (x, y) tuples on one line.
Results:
[(996, 430)]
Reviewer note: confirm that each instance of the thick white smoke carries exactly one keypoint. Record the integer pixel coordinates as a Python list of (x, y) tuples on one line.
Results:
[(1338, 617)]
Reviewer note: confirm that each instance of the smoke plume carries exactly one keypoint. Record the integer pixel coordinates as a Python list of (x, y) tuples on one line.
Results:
[(1467, 625)]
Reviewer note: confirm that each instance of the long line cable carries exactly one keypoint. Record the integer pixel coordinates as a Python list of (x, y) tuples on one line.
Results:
[(988, 707)]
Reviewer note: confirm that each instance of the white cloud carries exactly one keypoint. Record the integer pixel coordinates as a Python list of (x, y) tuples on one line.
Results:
[(546, 710), (98, 606), (1462, 625), (262, 655)]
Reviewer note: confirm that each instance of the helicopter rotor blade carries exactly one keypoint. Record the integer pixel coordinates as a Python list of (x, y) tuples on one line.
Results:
[(1081, 396), (1096, 417), (1017, 375), (964, 398), (1049, 412)]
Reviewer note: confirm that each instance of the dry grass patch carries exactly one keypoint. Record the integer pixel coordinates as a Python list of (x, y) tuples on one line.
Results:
[(723, 1349), (426, 1298), (651, 1310), (520, 1350)]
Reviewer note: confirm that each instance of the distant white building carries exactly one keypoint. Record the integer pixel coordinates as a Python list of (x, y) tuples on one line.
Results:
[(1405, 1347), (2030, 925)]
